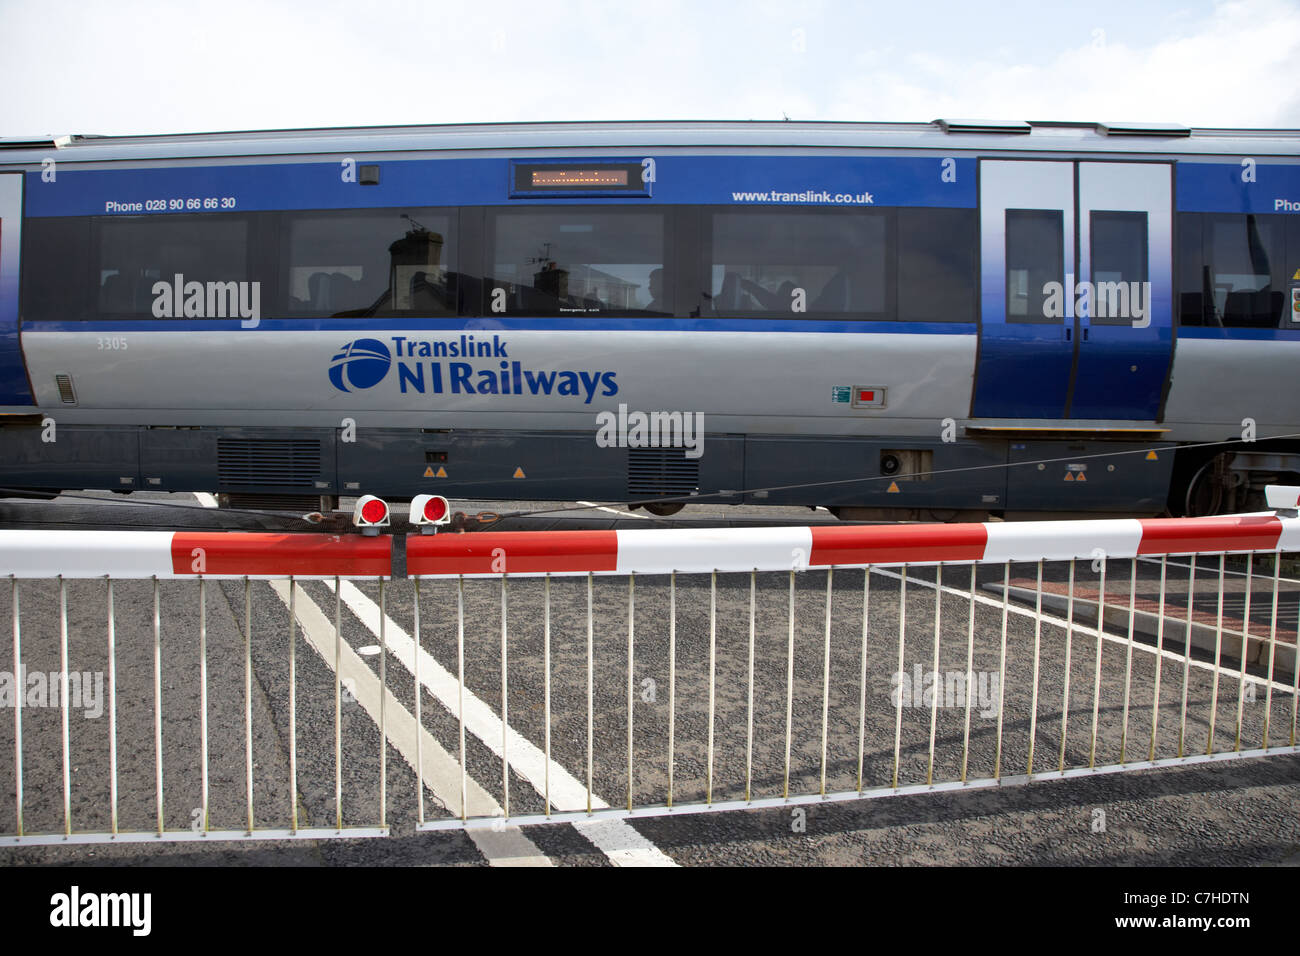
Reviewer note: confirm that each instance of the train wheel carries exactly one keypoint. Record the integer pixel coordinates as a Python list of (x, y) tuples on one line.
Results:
[(1203, 490), (664, 509)]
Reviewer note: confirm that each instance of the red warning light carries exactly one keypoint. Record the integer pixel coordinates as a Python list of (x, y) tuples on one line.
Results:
[(374, 511), (435, 508)]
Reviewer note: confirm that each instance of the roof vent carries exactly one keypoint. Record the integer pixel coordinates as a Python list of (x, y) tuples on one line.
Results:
[(34, 142), (1143, 129), (982, 126)]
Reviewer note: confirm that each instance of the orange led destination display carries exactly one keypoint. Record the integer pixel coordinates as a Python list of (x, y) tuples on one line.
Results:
[(579, 178), (585, 178)]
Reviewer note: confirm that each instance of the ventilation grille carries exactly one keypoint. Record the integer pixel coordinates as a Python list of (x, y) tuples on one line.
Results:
[(244, 463), (67, 394), (297, 503), (661, 471)]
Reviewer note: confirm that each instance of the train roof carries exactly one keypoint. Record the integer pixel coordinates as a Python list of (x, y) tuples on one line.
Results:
[(729, 136)]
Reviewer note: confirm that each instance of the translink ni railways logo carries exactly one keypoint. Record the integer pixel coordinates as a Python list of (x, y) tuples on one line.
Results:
[(361, 364), (365, 363)]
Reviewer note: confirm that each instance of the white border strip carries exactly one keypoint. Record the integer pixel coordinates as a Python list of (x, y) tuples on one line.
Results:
[(1061, 540), (86, 554), (694, 551), (1289, 539)]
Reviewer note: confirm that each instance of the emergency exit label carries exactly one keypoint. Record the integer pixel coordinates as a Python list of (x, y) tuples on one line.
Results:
[(842, 394)]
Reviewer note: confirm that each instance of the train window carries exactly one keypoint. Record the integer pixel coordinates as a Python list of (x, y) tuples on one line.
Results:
[(135, 253), (1195, 293), (56, 268), (1035, 257), (1233, 271), (801, 262), (371, 262), (1243, 252), (577, 260), (1119, 256), (936, 265)]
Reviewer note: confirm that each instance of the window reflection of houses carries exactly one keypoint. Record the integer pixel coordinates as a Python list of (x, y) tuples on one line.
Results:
[(361, 262), (586, 285), (552, 280), (417, 280), (609, 289)]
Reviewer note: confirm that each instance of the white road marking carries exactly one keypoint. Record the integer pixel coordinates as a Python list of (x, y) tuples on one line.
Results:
[(505, 847), (613, 511), (205, 499), (622, 844), (619, 841)]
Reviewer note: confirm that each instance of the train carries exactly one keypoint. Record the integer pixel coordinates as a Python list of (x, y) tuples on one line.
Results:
[(940, 321)]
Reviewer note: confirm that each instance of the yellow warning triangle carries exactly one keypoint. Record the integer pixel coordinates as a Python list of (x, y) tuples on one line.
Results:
[(428, 472), (1296, 277), (1082, 477), (441, 472), (1069, 476), (1151, 456), (893, 488), (519, 473)]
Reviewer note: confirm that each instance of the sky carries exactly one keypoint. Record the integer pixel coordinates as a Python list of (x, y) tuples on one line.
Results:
[(126, 66)]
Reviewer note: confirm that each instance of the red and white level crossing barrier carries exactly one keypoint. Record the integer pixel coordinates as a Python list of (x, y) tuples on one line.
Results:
[(192, 554), (661, 551), (186, 554)]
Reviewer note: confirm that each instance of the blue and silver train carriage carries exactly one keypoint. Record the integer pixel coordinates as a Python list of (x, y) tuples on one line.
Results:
[(928, 320)]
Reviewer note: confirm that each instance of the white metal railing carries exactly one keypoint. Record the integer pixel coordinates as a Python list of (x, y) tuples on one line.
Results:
[(578, 676), (853, 712), (156, 680)]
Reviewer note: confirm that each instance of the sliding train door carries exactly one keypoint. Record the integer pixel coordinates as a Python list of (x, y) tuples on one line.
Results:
[(1126, 257), (1076, 290)]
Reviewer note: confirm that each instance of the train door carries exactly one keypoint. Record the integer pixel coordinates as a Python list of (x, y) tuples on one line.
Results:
[(1076, 290), (14, 389), (1126, 324)]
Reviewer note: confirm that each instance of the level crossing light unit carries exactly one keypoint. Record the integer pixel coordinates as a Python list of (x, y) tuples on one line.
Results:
[(370, 514)]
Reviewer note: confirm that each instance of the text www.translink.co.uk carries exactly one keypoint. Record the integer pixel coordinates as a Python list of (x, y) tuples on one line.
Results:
[(817, 195)]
